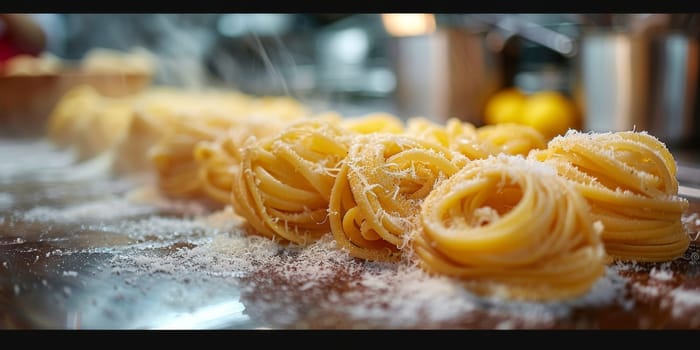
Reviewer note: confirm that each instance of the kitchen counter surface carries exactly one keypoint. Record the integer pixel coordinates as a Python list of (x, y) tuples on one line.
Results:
[(82, 250)]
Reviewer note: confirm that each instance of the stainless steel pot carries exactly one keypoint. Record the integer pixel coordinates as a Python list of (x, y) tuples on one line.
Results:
[(634, 81), (447, 73)]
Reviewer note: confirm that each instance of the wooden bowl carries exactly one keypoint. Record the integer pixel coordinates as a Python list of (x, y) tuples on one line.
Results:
[(27, 100)]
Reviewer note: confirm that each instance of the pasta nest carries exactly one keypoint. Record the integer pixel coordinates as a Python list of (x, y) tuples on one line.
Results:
[(629, 179), (377, 194), (173, 155), (284, 181), (219, 160), (511, 226)]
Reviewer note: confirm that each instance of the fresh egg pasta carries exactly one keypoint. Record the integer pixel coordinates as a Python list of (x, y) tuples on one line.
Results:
[(455, 134), (373, 122), (510, 138), (379, 188), (512, 227), (629, 179), (284, 181)]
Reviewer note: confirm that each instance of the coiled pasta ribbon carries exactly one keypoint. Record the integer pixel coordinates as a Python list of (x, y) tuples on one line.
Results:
[(455, 135), (377, 194), (218, 162), (511, 226), (510, 138), (629, 179), (173, 155), (285, 181), (220, 159), (181, 174), (373, 122), (481, 142)]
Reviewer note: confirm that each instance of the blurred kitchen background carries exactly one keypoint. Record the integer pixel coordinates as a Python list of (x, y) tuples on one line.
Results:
[(599, 72)]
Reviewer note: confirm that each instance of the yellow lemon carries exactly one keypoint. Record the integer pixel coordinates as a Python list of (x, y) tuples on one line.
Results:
[(550, 112), (504, 106)]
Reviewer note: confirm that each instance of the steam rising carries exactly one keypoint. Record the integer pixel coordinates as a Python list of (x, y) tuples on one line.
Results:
[(180, 42)]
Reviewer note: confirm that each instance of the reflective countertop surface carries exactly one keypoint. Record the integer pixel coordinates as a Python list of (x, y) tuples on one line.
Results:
[(80, 249)]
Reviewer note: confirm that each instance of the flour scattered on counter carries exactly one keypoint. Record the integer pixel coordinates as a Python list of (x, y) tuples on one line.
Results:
[(686, 303), (399, 297), (108, 209), (647, 292), (608, 290), (6, 200), (158, 227), (29, 155), (691, 222), (691, 219), (148, 194), (220, 255), (392, 295), (662, 273), (656, 287), (622, 266), (39, 160), (117, 206)]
